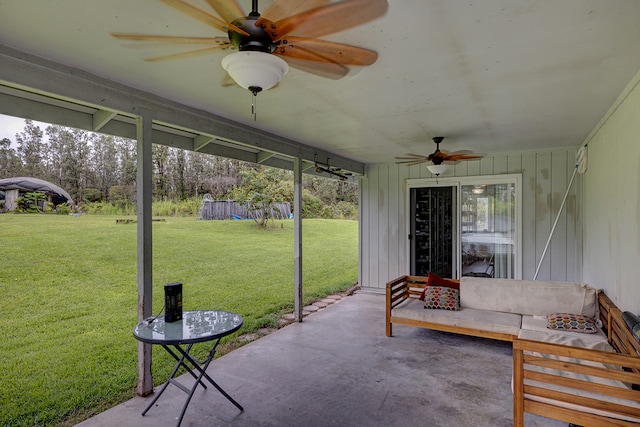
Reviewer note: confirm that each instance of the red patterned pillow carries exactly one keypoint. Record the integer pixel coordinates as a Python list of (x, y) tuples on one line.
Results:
[(442, 298), (572, 322), (435, 280)]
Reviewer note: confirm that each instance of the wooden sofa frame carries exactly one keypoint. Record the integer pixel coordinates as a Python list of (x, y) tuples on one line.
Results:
[(404, 287), (622, 366)]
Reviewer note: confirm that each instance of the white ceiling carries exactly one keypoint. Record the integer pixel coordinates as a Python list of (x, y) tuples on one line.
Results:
[(490, 75)]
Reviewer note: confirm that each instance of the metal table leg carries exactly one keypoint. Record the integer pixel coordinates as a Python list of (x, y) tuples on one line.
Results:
[(200, 366)]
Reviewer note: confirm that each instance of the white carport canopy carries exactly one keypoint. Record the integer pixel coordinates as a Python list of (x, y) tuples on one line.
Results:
[(38, 89)]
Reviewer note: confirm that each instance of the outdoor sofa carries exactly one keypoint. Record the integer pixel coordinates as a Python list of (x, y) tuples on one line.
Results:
[(560, 371)]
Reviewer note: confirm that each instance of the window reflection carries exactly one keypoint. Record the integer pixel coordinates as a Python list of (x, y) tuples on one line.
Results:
[(488, 230)]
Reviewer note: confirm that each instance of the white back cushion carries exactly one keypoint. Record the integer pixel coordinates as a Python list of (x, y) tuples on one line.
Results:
[(531, 297)]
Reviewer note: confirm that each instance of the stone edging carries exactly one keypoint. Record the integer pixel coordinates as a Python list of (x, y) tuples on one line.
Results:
[(289, 318)]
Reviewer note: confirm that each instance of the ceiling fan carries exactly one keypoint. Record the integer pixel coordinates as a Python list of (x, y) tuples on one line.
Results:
[(439, 159), (288, 29)]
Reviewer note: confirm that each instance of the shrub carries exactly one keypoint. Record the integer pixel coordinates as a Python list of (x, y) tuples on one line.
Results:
[(326, 212), (30, 202), (345, 210), (189, 207), (126, 193), (311, 205), (63, 209), (103, 208), (93, 208), (92, 195)]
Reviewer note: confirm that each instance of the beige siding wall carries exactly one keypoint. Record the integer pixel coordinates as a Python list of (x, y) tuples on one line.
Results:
[(545, 177), (611, 202)]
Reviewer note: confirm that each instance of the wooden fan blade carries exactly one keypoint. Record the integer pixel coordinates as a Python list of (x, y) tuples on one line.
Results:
[(183, 55), (203, 16), (412, 157), (311, 62), (459, 152), (282, 8), (329, 70), (455, 157), (172, 39), (335, 52), (229, 10), (171, 47), (411, 163), (329, 19)]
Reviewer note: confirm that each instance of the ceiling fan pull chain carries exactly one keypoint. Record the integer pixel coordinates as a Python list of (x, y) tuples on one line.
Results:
[(254, 109)]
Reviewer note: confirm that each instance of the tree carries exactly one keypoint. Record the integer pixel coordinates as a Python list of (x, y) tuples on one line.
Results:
[(98, 167), (104, 162), (260, 188), (331, 191), (179, 160), (54, 154), (10, 164), (127, 161), (220, 175), (160, 154), (195, 173), (69, 151), (30, 149)]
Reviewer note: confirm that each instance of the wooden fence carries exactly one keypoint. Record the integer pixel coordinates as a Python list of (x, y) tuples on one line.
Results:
[(230, 209)]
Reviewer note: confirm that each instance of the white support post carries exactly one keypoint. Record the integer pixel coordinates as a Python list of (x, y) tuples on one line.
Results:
[(297, 237), (144, 182)]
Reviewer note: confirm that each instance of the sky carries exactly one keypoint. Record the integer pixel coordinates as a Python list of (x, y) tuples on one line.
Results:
[(9, 126)]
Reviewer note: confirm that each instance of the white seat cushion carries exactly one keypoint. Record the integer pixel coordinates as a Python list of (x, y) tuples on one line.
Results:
[(491, 321), (536, 330)]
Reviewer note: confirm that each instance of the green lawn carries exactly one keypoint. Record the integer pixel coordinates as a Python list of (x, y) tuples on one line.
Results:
[(68, 298)]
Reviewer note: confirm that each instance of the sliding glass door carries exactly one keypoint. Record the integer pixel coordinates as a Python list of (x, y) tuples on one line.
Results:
[(477, 233), (488, 230)]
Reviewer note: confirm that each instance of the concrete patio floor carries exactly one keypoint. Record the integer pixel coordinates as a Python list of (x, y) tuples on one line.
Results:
[(337, 368)]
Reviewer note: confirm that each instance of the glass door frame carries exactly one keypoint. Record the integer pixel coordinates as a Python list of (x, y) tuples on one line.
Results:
[(459, 181)]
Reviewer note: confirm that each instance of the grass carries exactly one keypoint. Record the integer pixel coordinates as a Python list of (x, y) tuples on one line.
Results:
[(68, 302)]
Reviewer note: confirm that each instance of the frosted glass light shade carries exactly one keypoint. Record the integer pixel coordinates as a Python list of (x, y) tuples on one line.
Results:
[(255, 69), (437, 169)]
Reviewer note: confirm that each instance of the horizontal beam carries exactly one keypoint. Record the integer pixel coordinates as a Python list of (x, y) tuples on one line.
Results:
[(62, 86), (125, 127)]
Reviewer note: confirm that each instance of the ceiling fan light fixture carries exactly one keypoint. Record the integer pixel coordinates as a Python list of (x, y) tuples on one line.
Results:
[(437, 170), (256, 71), (478, 189)]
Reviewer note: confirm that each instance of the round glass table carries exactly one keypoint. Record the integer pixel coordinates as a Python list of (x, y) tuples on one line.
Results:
[(178, 337)]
